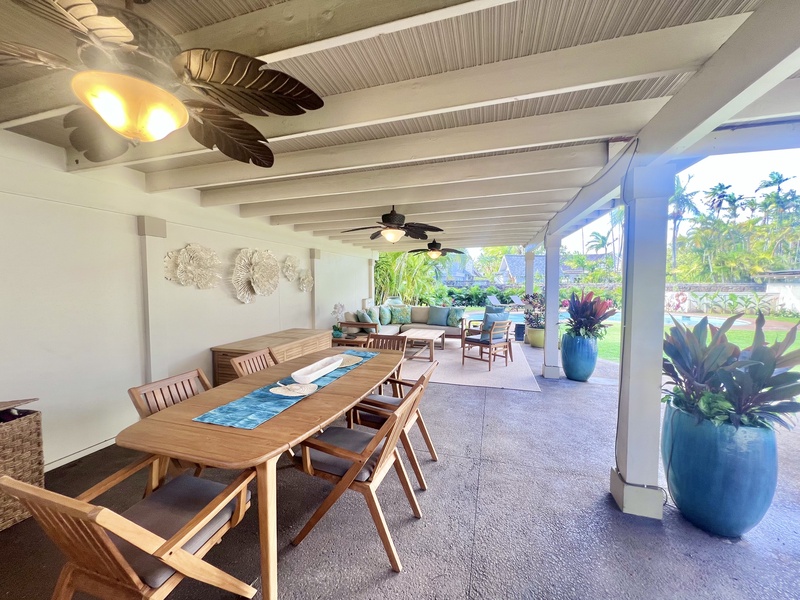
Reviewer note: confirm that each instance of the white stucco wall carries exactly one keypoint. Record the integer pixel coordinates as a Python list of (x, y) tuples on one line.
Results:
[(73, 298)]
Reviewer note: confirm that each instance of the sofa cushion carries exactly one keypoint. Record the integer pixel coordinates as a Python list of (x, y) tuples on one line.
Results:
[(401, 314), (374, 315), (351, 317), (391, 329), (454, 316), (451, 331), (385, 314), (490, 319), (364, 317), (419, 314), (495, 310), (437, 315)]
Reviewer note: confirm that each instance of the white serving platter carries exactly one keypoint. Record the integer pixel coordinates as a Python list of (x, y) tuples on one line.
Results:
[(316, 370)]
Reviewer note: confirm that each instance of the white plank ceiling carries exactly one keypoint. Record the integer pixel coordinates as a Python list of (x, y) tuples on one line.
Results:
[(487, 118)]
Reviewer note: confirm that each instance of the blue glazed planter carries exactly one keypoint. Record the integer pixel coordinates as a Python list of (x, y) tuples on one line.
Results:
[(578, 357), (722, 479)]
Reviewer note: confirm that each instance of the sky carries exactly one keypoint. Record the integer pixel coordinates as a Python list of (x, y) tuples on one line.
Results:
[(743, 172)]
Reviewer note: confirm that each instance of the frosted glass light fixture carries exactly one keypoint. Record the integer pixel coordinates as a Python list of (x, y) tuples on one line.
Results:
[(393, 235), (133, 107)]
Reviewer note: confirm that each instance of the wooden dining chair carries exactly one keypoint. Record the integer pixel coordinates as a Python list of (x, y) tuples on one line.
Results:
[(494, 342), (369, 419), (158, 395), (254, 362), (389, 342), (147, 550), (359, 460)]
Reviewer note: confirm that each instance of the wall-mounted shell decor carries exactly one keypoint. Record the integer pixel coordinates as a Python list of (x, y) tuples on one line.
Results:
[(255, 272), (290, 268), (193, 265), (306, 282)]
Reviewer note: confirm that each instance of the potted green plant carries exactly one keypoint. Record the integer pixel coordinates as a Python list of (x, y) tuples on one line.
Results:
[(718, 440), (337, 331), (583, 328), (534, 319)]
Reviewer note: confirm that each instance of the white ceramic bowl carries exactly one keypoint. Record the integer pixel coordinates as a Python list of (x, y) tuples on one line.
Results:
[(316, 370)]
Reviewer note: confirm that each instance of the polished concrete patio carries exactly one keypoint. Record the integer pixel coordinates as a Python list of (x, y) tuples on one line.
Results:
[(517, 507)]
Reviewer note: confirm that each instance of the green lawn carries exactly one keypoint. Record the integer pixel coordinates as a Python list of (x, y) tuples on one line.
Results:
[(608, 347)]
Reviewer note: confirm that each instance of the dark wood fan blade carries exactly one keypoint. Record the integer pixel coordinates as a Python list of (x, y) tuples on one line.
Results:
[(418, 251), (233, 136), (376, 235), (423, 227), (415, 234), (148, 38), (82, 18), (451, 251), (234, 80), (19, 54), (379, 226), (92, 137)]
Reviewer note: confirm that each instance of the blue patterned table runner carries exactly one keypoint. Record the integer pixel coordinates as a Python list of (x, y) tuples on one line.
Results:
[(250, 411)]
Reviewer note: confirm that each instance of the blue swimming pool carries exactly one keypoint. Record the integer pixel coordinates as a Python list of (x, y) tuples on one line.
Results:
[(689, 320)]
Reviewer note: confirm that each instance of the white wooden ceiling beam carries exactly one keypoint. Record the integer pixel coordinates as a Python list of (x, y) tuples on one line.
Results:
[(471, 169), (459, 226), (555, 186), (451, 233), (741, 71), (421, 211), (631, 58), (37, 99), (497, 239), (587, 124), (301, 27), (779, 103)]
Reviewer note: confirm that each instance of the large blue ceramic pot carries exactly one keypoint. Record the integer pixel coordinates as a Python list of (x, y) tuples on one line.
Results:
[(721, 478), (578, 356)]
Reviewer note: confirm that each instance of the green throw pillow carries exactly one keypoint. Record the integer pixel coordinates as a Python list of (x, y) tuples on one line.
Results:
[(401, 314), (454, 316), (437, 315), (374, 315), (490, 319), (385, 315)]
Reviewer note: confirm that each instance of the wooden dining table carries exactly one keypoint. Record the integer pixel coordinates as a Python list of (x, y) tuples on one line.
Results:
[(172, 433)]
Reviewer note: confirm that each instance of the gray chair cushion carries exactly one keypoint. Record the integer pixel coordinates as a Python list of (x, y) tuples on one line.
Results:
[(476, 339), (164, 512), (370, 418), (349, 439)]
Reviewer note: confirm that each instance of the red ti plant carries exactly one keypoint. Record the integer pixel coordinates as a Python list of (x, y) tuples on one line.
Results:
[(586, 315)]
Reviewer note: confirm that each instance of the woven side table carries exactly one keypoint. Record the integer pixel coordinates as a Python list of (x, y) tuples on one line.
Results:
[(21, 454)]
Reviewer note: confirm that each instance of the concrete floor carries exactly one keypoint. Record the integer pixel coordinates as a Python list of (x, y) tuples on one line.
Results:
[(517, 507)]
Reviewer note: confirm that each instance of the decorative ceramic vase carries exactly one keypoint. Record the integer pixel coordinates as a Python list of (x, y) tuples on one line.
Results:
[(578, 356), (722, 479), (536, 337), (338, 334)]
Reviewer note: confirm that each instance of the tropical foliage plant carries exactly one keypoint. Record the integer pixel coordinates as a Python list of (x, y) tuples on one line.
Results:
[(586, 315), (714, 379)]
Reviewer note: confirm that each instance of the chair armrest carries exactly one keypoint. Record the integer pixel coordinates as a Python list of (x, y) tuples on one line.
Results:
[(202, 518), (382, 407), (112, 480), (359, 325), (331, 449)]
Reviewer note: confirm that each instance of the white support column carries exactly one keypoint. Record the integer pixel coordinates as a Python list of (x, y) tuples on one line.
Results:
[(153, 232), (552, 278), (634, 479), (314, 256), (530, 257)]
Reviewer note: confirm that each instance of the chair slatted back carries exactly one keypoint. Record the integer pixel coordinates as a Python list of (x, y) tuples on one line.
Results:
[(254, 362), (72, 526), (387, 342), (158, 395)]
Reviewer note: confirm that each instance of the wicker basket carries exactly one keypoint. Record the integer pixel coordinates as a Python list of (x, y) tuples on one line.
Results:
[(20, 456)]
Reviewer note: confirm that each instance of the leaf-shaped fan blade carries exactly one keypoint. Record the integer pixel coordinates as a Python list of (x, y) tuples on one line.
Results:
[(82, 18), (233, 136), (451, 251), (363, 228), (376, 235), (415, 234), (418, 251), (92, 137), (423, 227), (234, 80), (148, 38), (16, 54)]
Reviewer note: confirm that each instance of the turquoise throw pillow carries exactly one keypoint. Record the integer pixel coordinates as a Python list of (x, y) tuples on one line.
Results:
[(385, 315), (364, 317), (454, 316), (401, 315), (490, 319), (437, 315), (494, 310), (374, 314)]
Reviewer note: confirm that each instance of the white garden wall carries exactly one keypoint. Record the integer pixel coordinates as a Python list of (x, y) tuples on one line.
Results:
[(74, 303)]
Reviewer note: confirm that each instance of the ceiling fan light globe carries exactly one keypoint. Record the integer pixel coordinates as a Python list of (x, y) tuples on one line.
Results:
[(392, 235), (133, 107), (434, 253)]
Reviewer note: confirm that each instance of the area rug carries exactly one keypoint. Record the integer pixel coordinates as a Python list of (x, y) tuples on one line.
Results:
[(516, 376)]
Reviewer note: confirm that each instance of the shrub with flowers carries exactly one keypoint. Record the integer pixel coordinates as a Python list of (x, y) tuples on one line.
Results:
[(586, 315)]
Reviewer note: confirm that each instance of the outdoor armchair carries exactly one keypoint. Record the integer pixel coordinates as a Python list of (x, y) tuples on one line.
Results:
[(491, 342)]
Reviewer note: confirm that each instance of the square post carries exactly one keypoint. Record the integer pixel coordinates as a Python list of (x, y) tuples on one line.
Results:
[(552, 278), (530, 257), (634, 478)]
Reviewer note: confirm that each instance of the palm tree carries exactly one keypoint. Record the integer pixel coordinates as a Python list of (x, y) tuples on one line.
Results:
[(617, 220), (597, 242), (680, 203)]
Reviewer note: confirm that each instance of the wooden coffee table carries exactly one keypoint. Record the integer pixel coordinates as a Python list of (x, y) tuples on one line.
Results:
[(428, 337)]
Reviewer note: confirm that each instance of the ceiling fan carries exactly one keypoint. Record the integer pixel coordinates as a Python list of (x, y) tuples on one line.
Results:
[(130, 70), (393, 227), (435, 250)]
